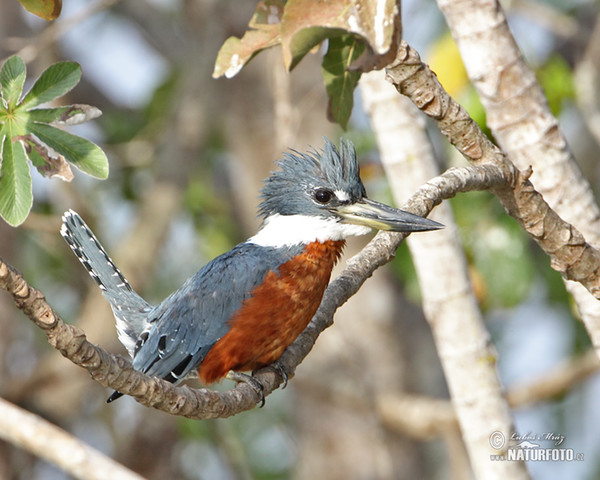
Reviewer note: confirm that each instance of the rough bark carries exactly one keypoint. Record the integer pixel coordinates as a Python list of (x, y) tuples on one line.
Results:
[(522, 123), (569, 253)]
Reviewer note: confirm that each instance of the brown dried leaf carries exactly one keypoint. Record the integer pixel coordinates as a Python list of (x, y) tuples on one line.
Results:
[(79, 113), (306, 23), (46, 9), (263, 33), (48, 163)]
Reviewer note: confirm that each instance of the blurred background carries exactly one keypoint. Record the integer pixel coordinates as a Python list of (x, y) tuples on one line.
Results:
[(187, 156)]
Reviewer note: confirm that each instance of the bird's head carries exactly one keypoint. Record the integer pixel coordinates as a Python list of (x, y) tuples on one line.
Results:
[(320, 196)]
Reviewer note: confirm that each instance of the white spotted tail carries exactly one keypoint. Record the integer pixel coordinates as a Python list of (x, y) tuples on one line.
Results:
[(130, 310)]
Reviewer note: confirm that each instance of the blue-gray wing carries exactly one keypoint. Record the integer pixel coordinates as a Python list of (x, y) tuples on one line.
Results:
[(186, 325)]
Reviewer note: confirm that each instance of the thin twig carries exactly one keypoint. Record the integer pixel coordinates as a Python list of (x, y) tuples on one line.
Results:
[(47, 37), (426, 418)]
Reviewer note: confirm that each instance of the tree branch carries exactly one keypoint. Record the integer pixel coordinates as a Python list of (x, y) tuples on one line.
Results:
[(51, 443), (47, 37), (136, 255), (425, 418), (569, 253), (523, 124), (116, 372)]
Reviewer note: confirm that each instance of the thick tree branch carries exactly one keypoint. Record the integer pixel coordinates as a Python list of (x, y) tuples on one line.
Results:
[(116, 372), (523, 125), (570, 254)]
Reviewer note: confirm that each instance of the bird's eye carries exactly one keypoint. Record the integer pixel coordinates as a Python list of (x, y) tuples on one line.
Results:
[(323, 195)]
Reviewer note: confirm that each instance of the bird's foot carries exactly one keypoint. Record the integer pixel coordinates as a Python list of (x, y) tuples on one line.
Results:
[(250, 380), (282, 371)]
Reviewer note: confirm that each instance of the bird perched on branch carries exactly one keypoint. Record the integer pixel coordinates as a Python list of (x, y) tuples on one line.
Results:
[(244, 308)]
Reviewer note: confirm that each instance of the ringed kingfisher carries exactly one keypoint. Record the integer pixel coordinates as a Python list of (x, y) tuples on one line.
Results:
[(244, 308)]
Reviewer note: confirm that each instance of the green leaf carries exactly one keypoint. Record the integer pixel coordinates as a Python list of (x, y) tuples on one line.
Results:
[(35, 157), (303, 42), (47, 115), (12, 78), (46, 9), (556, 78), (14, 124), (339, 81), (16, 197), (82, 153), (55, 81), (26, 133)]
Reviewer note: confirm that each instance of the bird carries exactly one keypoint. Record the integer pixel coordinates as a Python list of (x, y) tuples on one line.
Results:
[(241, 310)]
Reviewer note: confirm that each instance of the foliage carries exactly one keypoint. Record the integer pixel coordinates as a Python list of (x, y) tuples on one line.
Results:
[(300, 25), (501, 265), (556, 78), (340, 82), (29, 132)]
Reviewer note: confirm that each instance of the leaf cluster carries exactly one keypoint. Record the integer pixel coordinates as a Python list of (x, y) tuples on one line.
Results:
[(359, 34), (29, 132)]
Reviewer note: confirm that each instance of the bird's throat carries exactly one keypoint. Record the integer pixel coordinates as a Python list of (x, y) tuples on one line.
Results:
[(288, 230)]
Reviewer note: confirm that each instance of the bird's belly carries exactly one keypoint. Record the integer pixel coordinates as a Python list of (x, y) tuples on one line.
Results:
[(276, 313)]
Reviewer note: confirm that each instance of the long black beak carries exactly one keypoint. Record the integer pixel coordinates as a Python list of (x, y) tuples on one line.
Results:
[(383, 217)]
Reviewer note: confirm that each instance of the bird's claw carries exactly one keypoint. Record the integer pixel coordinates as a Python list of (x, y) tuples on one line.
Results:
[(249, 380), (114, 396), (280, 368)]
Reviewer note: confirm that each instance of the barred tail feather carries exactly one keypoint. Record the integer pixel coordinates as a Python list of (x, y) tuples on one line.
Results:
[(130, 310)]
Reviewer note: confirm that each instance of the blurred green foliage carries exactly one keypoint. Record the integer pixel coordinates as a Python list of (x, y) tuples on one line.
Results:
[(212, 215), (501, 267), (121, 126), (556, 79), (503, 261)]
